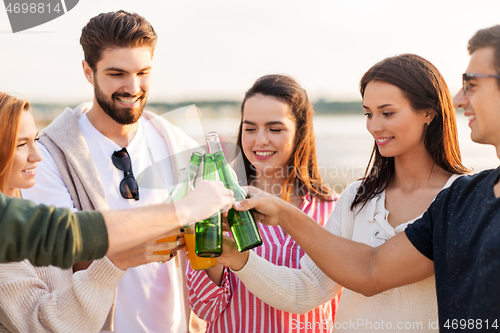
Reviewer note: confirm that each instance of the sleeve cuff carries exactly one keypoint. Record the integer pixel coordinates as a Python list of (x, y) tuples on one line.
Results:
[(105, 272), (251, 268), (94, 235), (209, 289), (417, 242)]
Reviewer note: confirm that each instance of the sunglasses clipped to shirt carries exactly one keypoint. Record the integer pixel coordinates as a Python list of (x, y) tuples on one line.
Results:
[(128, 186)]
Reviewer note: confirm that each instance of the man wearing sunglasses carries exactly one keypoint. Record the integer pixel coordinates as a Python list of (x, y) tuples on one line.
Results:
[(94, 155), (457, 239)]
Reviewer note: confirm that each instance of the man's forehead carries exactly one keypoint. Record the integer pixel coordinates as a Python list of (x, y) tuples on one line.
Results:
[(126, 59), (481, 61)]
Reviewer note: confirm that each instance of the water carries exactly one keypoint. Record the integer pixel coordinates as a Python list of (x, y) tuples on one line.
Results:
[(343, 145)]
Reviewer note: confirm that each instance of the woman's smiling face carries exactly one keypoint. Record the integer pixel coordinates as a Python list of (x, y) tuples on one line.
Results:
[(26, 155), (395, 126), (268, 134)]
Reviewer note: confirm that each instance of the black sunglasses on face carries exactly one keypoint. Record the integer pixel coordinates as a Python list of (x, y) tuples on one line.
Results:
[(467, 76), (128, 185)]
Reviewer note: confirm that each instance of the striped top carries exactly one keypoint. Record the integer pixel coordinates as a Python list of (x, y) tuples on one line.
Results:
[(232, 308)]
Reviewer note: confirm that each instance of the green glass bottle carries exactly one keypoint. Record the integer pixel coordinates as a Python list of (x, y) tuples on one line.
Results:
[(243, 227), (209, 231)]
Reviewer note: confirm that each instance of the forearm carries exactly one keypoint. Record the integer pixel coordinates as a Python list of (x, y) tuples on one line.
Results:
[(356, 266), (130, 228), (344, 261), (127, 229), (215, 274), (49, 236)]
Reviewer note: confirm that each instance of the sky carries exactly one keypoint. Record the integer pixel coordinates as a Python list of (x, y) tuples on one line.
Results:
[(209, 50)]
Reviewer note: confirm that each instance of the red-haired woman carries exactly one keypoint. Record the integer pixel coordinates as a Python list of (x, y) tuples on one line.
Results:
[(277, 140)]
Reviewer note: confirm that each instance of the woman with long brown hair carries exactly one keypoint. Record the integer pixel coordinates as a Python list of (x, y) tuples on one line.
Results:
[(50, 299), (410, 116), (277, 140)]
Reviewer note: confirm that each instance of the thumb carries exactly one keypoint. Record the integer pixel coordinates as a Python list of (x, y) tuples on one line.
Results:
[(244, 205), (251, 191)]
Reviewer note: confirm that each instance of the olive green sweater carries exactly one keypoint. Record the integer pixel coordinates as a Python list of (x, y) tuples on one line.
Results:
[(48, 235)]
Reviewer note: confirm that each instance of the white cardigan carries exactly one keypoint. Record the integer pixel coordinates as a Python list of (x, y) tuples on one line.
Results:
[(410, 308)]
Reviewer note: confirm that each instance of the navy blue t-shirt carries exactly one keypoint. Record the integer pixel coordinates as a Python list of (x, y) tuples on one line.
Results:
[(460, 232)]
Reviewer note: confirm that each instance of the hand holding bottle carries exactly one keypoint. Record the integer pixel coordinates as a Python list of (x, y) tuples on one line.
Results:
[(208, 197), (230, 256), (268, 209), (146, 253)]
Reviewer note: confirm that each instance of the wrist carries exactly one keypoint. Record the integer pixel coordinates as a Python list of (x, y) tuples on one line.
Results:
[(239, 261), (285, 209), (183, 212)]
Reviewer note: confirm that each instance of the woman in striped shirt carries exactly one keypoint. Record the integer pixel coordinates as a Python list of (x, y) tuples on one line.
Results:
[(277, 139)]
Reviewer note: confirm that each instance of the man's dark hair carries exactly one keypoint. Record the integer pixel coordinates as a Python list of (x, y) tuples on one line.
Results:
[(115, 30)]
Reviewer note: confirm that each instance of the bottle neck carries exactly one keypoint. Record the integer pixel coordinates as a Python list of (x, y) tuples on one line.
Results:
[(213, 141), (185, 182), (209, 168), (191, 173), (214, 147), (227, 177)]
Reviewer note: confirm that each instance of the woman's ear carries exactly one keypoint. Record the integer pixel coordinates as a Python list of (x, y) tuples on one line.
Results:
[(429, 116)]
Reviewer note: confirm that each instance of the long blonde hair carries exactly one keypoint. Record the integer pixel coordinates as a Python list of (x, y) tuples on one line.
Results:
[(11, 110)]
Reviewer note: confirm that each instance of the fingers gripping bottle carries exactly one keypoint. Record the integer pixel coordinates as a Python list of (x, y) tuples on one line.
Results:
[(180, 191), (243, 227), (209, 231), (182, 188)]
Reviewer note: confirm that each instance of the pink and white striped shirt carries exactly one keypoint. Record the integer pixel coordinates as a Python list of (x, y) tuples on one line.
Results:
[(231, 308)]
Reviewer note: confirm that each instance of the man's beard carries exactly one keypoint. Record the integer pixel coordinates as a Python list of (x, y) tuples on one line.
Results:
[(122, 115)]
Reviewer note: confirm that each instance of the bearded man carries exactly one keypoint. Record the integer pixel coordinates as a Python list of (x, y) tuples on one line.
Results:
[(92, 156)]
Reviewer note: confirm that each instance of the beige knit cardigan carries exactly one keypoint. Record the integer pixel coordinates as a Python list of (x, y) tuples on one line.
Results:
[(49, 299)]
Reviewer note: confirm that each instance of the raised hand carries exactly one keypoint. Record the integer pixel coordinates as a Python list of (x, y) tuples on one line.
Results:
[(208, 197), (267, 207)]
